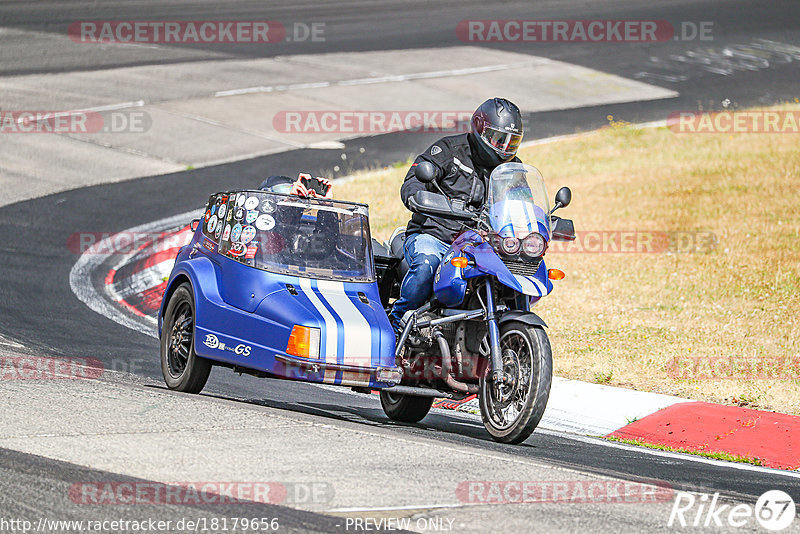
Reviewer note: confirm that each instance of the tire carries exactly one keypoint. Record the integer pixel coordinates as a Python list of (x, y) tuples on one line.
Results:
[(405, 408), (182, 368), (513, 416)]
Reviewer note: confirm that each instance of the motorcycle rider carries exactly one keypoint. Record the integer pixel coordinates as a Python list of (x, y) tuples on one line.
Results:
[(463, 164)]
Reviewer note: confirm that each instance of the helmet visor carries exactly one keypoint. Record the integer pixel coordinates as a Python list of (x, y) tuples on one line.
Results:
[(281, 189), (504, 143)]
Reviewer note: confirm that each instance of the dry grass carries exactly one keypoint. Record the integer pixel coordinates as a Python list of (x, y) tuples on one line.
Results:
[(381, 190), (631, 317)]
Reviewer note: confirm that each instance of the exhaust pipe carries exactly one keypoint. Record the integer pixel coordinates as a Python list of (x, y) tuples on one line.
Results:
[(447, 367)]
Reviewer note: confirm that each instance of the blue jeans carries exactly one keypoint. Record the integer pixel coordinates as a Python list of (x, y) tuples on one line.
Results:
[(423, 254)]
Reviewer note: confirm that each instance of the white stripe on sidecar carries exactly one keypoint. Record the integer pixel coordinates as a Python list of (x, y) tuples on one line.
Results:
[(357, 331), (531, 286), (331, 328)]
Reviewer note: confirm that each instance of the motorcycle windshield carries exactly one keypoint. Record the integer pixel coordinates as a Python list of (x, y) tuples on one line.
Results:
[(517, 201), (286, 234)]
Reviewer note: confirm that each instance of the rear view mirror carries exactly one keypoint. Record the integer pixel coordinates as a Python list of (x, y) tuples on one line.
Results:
[(194, 224), (425, 172), (563, 198)]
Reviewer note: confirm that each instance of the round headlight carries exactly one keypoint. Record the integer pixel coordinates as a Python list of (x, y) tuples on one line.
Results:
[(510, 245), (534, 245)]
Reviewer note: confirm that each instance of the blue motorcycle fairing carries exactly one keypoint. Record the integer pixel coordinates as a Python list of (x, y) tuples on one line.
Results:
[(537, 285), (449, 284)]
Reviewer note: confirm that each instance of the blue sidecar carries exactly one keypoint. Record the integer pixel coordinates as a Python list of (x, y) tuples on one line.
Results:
[(280, 286)]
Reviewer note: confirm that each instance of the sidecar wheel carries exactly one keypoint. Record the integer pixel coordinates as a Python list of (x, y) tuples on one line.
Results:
[(182, 368), (511, 415), (405, 408)]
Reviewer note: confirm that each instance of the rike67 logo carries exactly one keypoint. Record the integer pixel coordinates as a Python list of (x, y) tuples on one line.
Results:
[(774, 511)]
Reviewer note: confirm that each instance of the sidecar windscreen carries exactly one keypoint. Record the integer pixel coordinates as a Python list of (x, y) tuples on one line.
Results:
[(286, 234)]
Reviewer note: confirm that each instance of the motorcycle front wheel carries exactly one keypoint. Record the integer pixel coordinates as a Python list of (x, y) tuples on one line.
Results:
[(511, 413)]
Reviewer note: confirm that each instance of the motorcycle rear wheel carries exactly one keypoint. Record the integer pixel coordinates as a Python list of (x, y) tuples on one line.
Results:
[(511, 415), (405, 408)]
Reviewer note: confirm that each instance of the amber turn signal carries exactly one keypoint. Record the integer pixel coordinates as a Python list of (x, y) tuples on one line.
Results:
[(555, 274), (459, 261), (304, 342)]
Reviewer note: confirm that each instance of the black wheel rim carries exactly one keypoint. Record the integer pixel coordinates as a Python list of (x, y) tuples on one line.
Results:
[(506, 404), (179, 343)]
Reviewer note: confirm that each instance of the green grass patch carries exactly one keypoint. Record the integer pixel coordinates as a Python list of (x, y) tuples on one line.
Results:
[(715, 455)]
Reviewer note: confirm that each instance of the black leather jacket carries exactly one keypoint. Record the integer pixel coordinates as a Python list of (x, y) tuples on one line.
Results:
[(459, 175)]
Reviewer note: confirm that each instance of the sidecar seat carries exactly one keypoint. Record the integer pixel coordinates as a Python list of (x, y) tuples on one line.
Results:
[(396, 243)]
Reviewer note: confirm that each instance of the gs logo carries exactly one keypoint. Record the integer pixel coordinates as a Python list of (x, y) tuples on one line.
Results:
[(242, 350)]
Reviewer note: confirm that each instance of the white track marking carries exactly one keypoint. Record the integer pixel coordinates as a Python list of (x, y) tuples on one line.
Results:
[(674, 455), (115, 107), (145, 279), (80, 276), (382, 79), (9, 343), (398, 508), (96, 109)]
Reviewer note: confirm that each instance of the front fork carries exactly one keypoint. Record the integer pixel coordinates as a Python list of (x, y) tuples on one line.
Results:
[(498, 376)]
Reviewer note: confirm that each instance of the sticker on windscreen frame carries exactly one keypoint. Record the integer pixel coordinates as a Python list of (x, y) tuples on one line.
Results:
[(268, 206), (237, 249), (236, 232), (248, 233), (211, 225), (265, 222), (251, 203)]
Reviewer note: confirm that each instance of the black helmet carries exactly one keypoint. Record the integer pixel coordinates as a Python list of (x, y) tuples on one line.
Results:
[(496, 131), (277, 184)]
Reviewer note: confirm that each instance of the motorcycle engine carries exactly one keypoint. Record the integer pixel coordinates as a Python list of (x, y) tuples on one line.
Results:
[(464, 339)]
